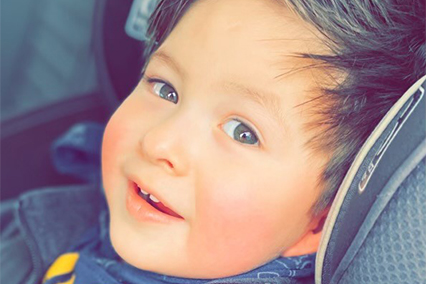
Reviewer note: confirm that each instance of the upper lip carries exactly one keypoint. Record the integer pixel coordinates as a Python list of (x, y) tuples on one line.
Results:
[(148, 189)]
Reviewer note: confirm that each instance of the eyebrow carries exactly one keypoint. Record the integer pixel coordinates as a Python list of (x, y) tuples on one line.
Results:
[(269, 101), (160, 55)]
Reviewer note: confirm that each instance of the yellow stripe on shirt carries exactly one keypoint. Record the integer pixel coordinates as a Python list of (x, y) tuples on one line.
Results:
[(64, 264)]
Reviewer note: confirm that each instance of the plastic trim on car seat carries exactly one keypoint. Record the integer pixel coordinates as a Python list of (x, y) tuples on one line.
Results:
[(343, 190)]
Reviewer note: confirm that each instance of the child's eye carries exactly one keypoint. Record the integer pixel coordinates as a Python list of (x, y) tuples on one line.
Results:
[(240, 132), (164, 90)]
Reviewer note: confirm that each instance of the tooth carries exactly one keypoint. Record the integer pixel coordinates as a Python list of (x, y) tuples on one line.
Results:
[(153, 198), (143, 191)]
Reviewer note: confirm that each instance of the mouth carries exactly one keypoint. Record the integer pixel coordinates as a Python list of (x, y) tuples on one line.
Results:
[(155, 202)]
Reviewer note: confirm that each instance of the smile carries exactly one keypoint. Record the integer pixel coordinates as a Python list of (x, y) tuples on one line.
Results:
[(145, 207), (156, 203)]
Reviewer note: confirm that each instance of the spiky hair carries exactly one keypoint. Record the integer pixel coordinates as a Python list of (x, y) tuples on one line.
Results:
[(378, 44)]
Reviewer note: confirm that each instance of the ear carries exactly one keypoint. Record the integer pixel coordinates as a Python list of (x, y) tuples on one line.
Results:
[(309, 242)]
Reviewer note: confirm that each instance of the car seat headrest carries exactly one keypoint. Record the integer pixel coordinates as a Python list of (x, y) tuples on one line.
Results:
[(119, 57), (376, 228)]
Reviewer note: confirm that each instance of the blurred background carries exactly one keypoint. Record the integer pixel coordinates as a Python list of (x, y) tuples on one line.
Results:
[(45, 51), (65, 67)]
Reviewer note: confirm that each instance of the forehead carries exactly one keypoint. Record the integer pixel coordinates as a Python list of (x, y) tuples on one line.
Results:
[(243, 34), (244, 43), (245, 25)]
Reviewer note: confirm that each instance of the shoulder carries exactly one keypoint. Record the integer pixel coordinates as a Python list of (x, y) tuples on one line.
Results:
[(59, 213), (56, 212), (51, 219)]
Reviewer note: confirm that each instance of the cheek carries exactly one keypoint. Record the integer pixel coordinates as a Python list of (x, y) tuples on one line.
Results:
[(119, 141), (115, 140), (110, 154), (123, 131), (232, 229), (247, 219)]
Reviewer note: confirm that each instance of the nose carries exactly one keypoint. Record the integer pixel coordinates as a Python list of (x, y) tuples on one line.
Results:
[(164, 145)]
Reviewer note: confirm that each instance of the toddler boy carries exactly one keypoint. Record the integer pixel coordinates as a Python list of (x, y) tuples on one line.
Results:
[(221, 164)]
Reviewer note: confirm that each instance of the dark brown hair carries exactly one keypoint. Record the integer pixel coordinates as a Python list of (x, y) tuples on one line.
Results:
[(378, 44)]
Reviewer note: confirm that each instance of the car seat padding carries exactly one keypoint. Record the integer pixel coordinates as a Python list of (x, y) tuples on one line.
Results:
[(390, 245), (350, 208), (119, 58)]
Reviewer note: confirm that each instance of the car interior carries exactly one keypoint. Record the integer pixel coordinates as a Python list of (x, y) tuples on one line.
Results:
[(376, 229), (108, 56)]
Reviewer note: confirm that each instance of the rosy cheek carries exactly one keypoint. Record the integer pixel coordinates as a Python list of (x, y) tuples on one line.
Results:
[(119, 135), (113, 151), (109, 144), (234, 228)]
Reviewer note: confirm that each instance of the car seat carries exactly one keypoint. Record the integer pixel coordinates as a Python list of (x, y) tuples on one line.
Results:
[(119, 57), (376, 229)]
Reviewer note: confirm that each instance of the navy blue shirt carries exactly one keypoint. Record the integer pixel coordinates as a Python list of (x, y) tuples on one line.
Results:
[(95, 261)]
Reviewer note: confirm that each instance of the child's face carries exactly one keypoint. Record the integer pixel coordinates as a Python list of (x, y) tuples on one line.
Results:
[(243, 203)]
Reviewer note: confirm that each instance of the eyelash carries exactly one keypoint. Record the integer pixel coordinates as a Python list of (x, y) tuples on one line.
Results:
[(151, 80)]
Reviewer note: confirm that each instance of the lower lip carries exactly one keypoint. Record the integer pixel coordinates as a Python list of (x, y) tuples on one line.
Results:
[(142, 211)]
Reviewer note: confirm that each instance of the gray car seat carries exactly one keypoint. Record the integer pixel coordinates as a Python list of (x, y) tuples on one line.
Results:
[(376, 229)]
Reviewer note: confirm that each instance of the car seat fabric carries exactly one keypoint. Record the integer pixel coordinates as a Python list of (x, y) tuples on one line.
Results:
[(377, 225), (119, 58), (394, 250)]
